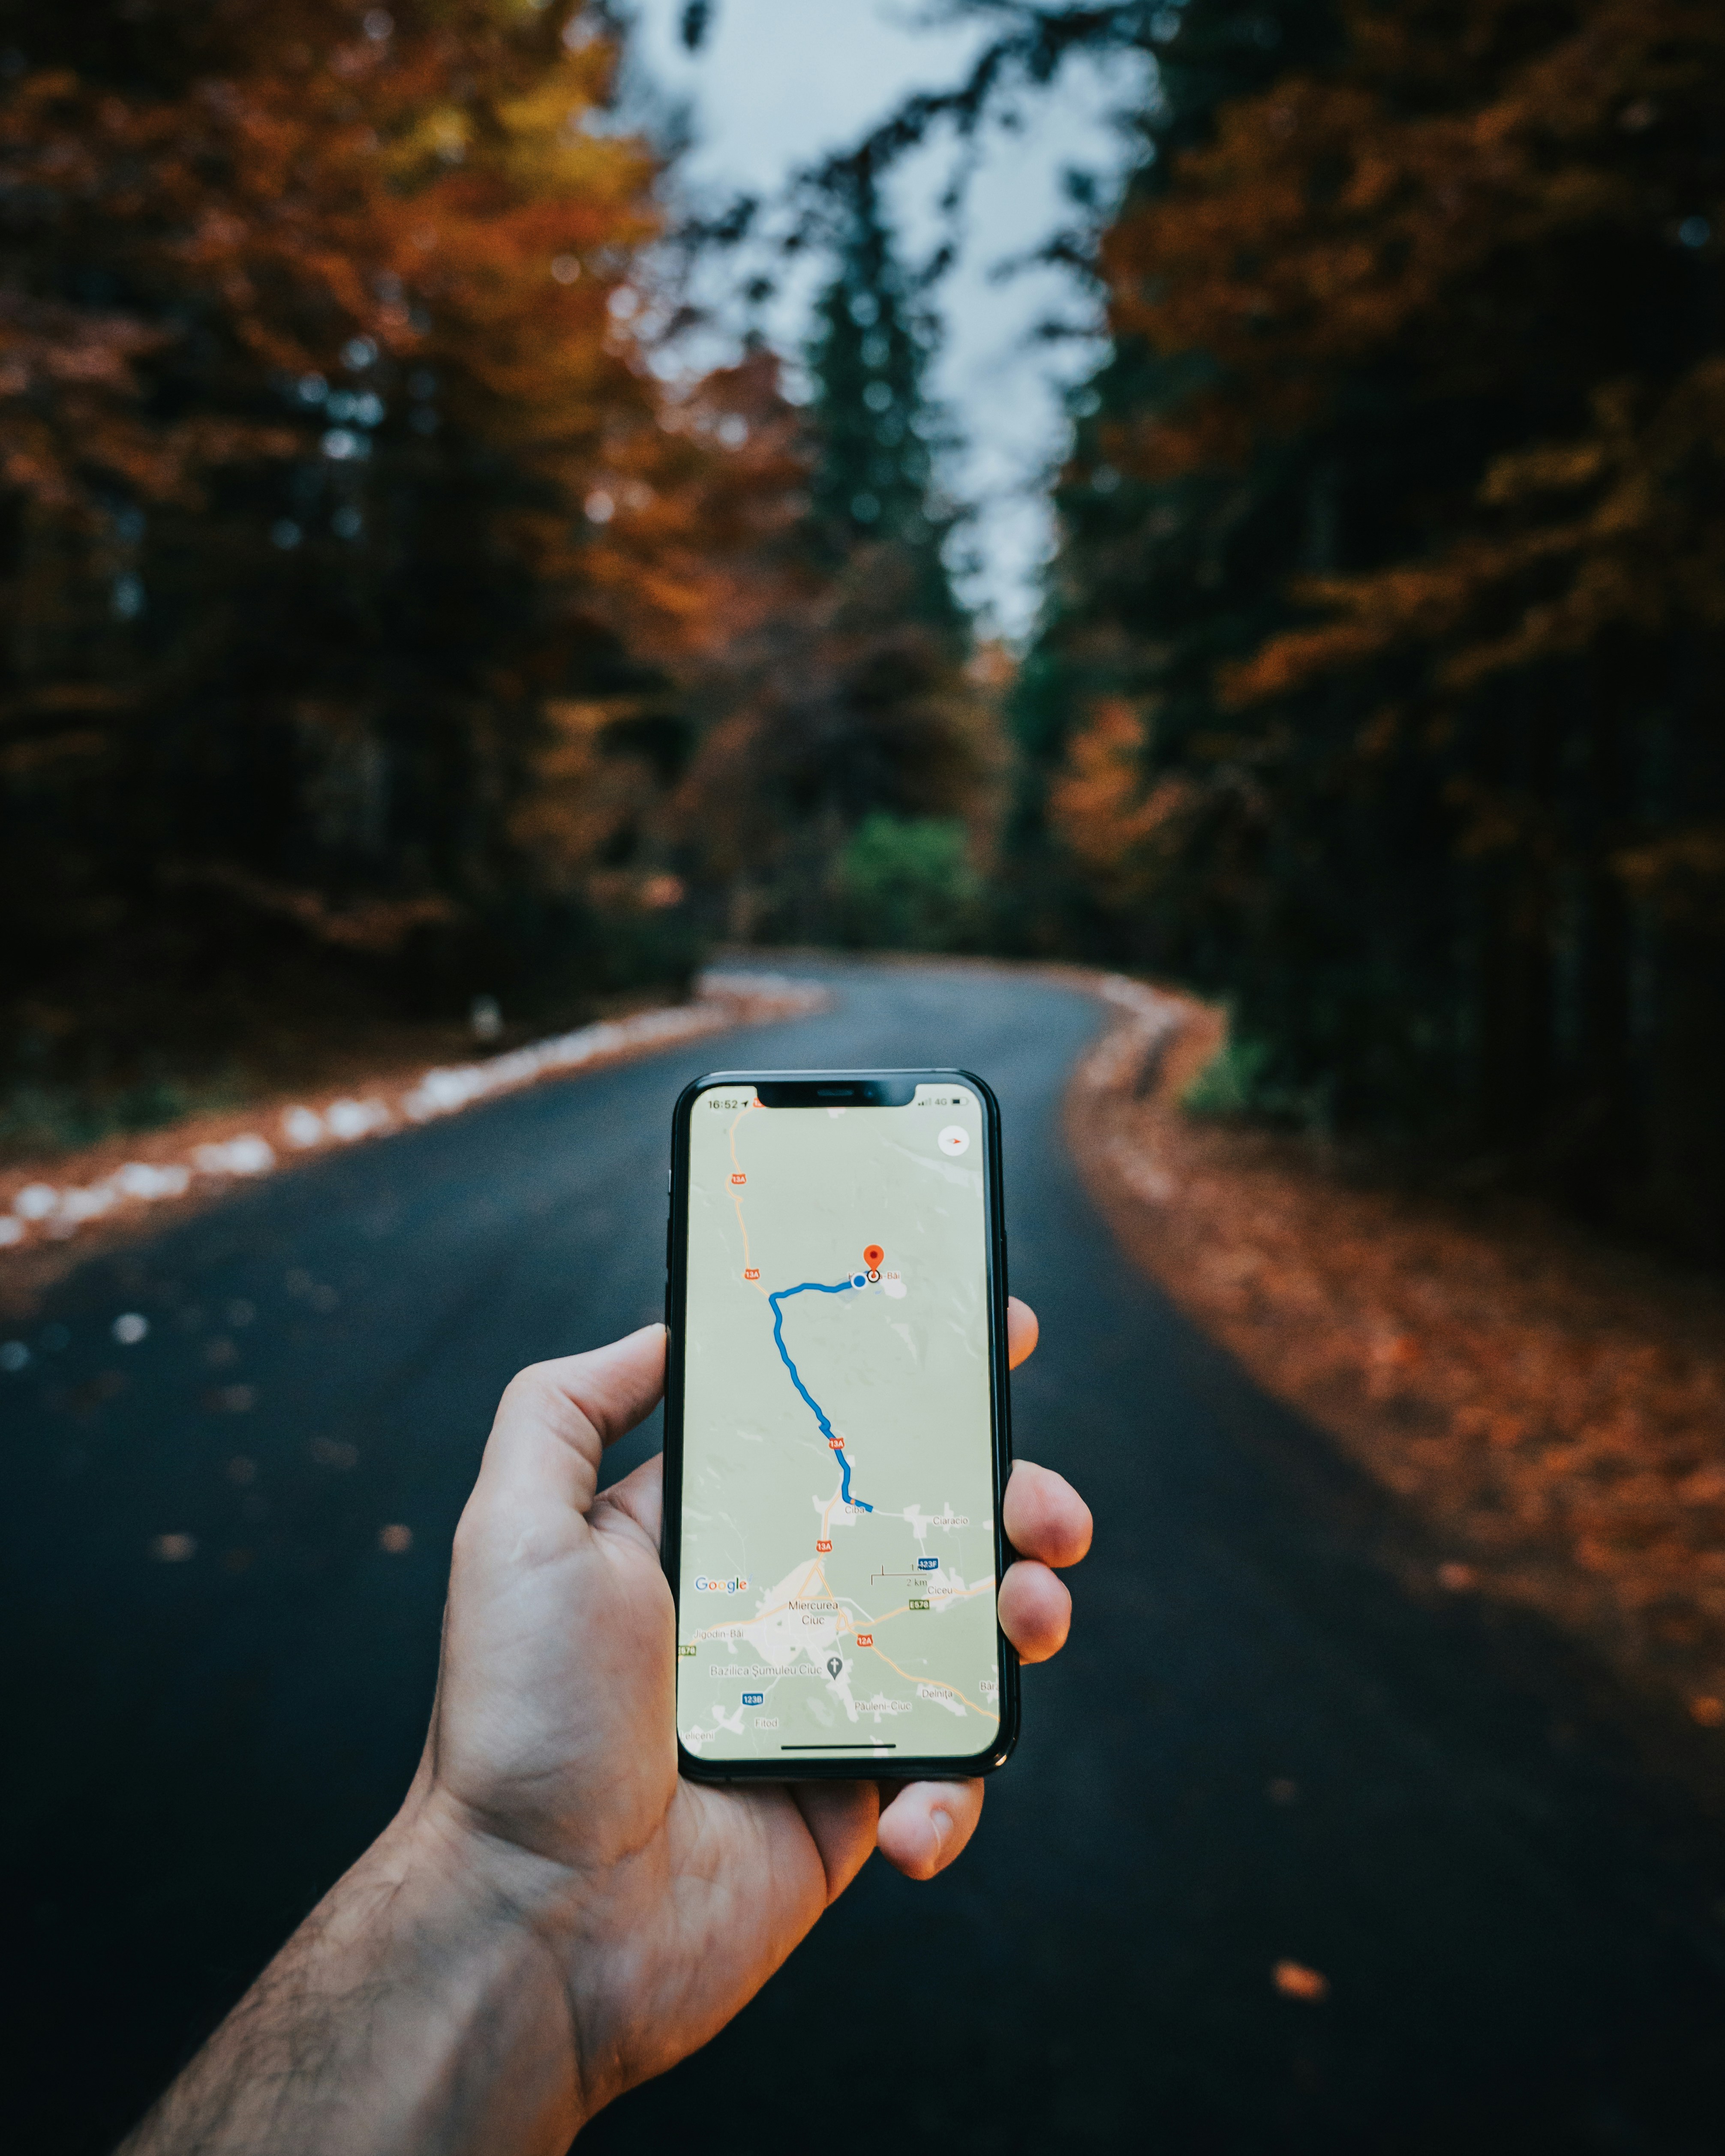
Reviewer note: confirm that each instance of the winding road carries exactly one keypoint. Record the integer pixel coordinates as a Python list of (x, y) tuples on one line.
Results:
[(1268, 1743), (837, 1443)]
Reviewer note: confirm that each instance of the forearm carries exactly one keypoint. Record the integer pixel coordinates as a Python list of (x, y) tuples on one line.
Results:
[(413, 2011)]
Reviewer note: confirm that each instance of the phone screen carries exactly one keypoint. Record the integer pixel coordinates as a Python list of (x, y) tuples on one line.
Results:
[(837, 1548)]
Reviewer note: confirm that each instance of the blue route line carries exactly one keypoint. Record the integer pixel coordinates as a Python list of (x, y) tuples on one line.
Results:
[(815, 1287)]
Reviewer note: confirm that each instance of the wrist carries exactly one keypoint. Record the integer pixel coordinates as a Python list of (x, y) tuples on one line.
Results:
[(471, 1920), (417, 2007)]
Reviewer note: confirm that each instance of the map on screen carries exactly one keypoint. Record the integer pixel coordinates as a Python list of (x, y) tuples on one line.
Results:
[(836, 1595)]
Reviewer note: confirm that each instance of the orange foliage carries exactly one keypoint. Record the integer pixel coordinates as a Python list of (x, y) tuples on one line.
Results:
[(1339, 222), (1332, 216), (1419, 396), (313, 185), (1101, 804), (1335, 221), (444, 193)]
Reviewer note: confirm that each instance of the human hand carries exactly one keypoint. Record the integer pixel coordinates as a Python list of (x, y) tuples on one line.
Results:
[(550, 1777), (555, 1915)]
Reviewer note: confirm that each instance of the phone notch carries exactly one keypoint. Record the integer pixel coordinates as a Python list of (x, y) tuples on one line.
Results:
[(821, 1091)]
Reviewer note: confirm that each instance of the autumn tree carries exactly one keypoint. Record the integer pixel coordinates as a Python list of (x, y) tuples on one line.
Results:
[(326, 451), (1159, 576), (1392, 628)]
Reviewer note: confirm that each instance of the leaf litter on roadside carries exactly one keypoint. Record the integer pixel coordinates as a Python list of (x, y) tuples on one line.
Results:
[(1553, 1405)]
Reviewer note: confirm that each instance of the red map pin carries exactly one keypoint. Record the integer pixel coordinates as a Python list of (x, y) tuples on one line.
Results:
[(872, 1257)]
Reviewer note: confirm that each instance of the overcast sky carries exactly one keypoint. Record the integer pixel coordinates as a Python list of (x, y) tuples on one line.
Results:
[(780, 83)]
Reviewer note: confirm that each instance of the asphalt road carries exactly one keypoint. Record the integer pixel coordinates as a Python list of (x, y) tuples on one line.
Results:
[(1264, 1743)]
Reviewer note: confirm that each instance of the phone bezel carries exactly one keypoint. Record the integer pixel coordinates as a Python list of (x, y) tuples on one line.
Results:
[(880, 1766)]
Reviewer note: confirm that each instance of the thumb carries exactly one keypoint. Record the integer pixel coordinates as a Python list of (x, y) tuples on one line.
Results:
[(555, 1419)]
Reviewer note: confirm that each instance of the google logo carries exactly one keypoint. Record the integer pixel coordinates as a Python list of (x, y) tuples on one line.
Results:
[(703, 1585)]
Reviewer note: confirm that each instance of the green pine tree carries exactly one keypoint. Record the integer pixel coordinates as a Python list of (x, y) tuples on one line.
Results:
[(870, 750), (877, 433)]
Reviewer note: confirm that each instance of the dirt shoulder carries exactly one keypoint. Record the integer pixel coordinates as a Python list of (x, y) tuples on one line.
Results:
[(1553, 1405)]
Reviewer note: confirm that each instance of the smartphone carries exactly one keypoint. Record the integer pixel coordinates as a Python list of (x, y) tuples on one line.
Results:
[(837, 1434)]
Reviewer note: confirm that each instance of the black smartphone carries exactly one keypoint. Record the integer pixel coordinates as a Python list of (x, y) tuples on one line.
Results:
[(837, 1434)]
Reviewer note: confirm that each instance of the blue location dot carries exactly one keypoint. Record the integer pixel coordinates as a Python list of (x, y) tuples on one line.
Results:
[(859, 1279)]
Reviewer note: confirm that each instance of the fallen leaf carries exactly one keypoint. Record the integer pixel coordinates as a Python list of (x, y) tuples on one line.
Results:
[(1294, 1980)]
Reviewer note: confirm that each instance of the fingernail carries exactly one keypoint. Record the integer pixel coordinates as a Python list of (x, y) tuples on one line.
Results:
[(941, 1822)]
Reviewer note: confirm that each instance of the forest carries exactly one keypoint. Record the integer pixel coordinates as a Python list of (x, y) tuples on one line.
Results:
[(383, 629)]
